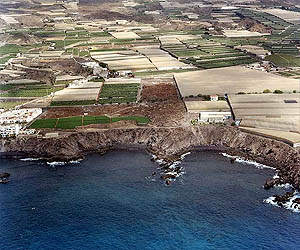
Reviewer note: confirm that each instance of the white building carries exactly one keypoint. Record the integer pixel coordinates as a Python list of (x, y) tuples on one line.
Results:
[(12, 121), (214, 117), (214, 98), (19, 115), (10, 130)]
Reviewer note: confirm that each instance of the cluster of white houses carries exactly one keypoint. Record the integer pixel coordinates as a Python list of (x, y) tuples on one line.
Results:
[(12, 121)]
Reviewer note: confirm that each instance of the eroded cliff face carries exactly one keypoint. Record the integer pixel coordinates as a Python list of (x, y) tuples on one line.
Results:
[(166, 143)]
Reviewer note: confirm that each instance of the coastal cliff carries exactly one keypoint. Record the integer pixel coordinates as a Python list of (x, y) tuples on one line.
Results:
[(166, 143)]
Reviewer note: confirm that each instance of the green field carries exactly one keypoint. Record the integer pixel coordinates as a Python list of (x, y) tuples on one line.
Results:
[(282, 60), (3, 60), (9, 49), (73, 103), (9, 105), (69, 123), (221, 62), (119, 93), (95, 120), (26, 90), (76, 121), (43, 123)]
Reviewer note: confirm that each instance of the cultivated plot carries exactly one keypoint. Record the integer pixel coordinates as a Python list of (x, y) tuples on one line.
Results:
[(123, 60), (268, 111), (161, 59), (198, 106), (231, 80)]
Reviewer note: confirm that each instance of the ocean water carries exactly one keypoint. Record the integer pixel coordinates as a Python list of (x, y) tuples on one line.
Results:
[(112, 202)]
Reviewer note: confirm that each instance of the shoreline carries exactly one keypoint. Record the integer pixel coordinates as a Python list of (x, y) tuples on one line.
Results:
[(166, 143)]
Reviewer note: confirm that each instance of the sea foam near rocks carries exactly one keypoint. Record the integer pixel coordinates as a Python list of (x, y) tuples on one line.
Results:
[(30, 159), (171, 169), (290, 204), (62, 163), (244, 161)]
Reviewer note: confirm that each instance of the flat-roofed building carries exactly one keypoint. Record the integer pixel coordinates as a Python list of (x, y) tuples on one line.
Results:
[(214, 117)]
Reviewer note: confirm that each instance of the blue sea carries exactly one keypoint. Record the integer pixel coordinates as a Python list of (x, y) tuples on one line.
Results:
[(113, 202)]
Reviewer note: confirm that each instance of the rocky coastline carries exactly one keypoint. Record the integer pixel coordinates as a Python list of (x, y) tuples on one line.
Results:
[(167, 143)]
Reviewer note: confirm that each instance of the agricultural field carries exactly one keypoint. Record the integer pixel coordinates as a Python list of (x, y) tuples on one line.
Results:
[(123, 60), (231, 80), (26, 89), (125, 35), (203, 44), (242, 33), (290, 73), (161, 59), (119, 93), (208, 54), (283, 60), (9, 105), (196, 106), (291, 138), (77, 94), (78, 121), (278, 112), (266, 19), (287, 15)]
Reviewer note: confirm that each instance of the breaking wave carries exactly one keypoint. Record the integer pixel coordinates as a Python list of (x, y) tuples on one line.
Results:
[(30, 159), (290, 204), (244, 161), (61, 163)]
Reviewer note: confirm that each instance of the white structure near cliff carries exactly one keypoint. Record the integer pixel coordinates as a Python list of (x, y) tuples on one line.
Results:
[(19, 115), (214, 117), (12, 121), (10, 130)]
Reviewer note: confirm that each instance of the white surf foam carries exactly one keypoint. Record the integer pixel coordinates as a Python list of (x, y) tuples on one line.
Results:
[(172, 166), (286, 185), (61, 163), (56, 163), (75, 162), (244, 161), (184, 155), (290, 205), (30, 159)]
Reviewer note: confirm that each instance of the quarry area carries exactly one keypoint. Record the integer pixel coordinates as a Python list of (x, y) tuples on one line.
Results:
[(89, 65)]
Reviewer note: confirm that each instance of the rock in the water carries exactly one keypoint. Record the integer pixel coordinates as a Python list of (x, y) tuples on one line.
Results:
[(168, 176), (271, 183), (297, 200), (4, 175), (281, 199)]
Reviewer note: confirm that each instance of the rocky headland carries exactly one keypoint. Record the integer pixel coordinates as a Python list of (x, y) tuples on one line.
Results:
[(166, 143)]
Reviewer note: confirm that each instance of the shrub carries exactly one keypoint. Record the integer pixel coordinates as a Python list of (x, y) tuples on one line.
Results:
[(277, 91), (267, 91)]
